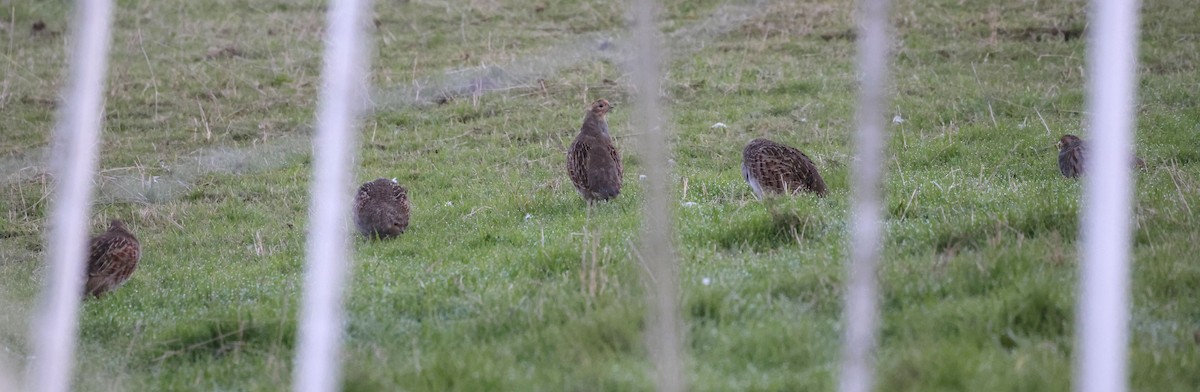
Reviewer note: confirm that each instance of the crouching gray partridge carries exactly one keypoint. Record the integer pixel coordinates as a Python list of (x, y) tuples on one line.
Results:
[(593, 163), (381, 209), (1072, 153), (112, 258), (773, 168)]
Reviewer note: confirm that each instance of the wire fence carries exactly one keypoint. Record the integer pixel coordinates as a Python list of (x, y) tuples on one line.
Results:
[(861, 302), (343, 94), (1103, 310), (664, 329), (76, 138), (1102, 325)]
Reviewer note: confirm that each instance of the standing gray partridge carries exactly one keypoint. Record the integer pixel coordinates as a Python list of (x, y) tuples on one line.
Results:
[(381, 209), (112, 257), (772, 168), (1072, 152), (593, 163)]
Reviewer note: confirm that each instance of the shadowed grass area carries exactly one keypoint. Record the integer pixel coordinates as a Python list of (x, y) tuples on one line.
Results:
[(505, 280)]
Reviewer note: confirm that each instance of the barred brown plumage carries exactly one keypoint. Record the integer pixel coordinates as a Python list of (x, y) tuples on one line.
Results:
[(593, 163), (1072, 153), (381, 209), (112, 258), (1070, 156), (773, 168)]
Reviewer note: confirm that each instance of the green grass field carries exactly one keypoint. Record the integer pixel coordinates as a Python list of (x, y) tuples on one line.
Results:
[(503, 282)]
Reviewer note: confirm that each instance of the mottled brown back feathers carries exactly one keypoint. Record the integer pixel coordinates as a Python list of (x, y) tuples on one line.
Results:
[(1073, 153), (381, 209), (1070, 156), (773, 168), (112, 258)]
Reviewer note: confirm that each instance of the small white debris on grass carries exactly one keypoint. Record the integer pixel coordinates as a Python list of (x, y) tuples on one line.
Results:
[(690, 204), (706, 281), (528, 217), (803, 119), (449, 204), (897, 119), (719, 125), (642, 177)]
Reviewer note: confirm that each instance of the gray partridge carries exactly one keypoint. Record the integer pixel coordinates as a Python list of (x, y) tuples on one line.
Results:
[(1072, 152), (1070, 156), (593, 163), (112, 258), (772, 168), (381, 209)]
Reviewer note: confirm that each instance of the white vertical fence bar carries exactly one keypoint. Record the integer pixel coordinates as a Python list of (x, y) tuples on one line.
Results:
[(1102, 322), (860, 314), (73, 160), (8, 380), (664, 333), (343, 95)]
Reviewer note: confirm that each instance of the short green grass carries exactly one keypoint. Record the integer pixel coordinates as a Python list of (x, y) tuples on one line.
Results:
[(504, 281)]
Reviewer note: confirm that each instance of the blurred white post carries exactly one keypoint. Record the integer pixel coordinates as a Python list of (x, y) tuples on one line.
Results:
[(343, 95), (664, 332), (74, 163), (1102, 321), (8, 381), (860, 314)]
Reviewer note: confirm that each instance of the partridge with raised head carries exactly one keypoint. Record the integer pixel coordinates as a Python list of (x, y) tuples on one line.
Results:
[(381, 209), (593, 163), (112, 258), (774, 168)]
